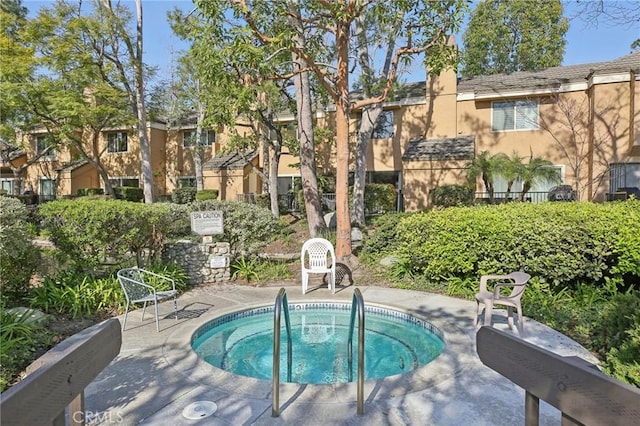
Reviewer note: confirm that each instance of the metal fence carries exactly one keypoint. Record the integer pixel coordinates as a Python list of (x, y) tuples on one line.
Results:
[(505, 197), (289, 203)]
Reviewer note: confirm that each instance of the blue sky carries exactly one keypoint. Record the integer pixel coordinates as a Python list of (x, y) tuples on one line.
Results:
[(584, 43)]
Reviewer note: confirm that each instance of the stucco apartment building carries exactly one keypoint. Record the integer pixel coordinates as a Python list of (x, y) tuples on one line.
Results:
[(584, 118)]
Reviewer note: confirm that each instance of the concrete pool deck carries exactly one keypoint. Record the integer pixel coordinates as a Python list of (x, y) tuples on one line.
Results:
[(156, 375)]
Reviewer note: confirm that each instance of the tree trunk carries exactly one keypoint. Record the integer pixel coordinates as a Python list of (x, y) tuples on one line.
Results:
[(370, 114), (198, 148), (367, 125), (273, 181), (302, 86), (95, 160), (145, 149), (266, 165), (343, 224)]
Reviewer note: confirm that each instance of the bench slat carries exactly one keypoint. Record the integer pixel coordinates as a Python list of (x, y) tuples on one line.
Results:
[(60, 375), (576, 388)]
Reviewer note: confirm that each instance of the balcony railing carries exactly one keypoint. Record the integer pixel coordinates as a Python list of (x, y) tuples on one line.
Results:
[(505, 197), (289, 203)]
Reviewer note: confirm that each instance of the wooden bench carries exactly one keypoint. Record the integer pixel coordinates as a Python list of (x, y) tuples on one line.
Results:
[(583, 394), (56, 381)]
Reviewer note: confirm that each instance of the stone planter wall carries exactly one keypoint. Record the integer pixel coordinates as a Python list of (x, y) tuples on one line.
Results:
[(201, 261)]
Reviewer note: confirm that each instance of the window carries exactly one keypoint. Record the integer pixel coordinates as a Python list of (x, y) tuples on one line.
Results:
[(187, 182), (207, 138), (538, 185), (544, 185), (47, 189), (125, 181), (42, 143), (384, 126), (117, 142), (7, 185), (288, 184), (514, 115)]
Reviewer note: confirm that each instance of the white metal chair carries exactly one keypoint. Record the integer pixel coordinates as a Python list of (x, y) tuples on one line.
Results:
[(318, 257), (137, 290), (517, 280)]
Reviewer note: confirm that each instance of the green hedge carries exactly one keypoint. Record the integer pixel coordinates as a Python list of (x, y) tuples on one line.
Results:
[(184, 195), (207, 194), (377, 197), (247, 227), (559, 243), (90, 232), (82, 192), (452, 195), (128, 193), (19, 258)]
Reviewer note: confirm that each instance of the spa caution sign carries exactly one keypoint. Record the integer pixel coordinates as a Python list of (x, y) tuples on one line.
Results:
[(206, 222)]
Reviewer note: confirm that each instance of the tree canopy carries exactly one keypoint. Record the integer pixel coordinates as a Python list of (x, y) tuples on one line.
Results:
[(317, 34), (515, 35)]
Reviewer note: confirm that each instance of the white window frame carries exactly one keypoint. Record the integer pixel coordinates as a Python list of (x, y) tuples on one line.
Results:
[(207, 138), (522, 115), (115, 141)]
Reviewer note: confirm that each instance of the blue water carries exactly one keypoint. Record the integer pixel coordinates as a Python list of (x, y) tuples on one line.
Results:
[(394, 344)]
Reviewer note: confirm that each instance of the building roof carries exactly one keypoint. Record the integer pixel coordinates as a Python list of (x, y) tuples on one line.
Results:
[(552, 77), (73, 165), (404, 92), (458, 148), (229, 161)]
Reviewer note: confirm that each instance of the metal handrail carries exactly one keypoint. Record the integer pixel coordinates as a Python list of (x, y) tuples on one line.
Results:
[(281, 303), (357, 302)]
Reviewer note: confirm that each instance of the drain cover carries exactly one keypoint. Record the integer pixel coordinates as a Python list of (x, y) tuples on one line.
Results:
[(199, 410)]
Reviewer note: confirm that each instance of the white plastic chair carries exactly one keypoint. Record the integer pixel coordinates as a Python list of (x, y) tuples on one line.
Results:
[(517, 280), (136, 290), (318, 257)]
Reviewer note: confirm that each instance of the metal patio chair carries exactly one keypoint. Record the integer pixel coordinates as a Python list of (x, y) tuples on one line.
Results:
[(517, 280), (318, 257), (136, 285)]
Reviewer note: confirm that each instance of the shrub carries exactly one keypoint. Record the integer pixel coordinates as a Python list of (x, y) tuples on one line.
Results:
[(263, 200), (620, 314), (19, 339), (384, 240), (83, 192), (618, 337), (171, 270), (19, 258), (247, 227), (184, 195), (77, 295), (207, 194), (178, 220), (559, 243), (452, 195), (28, 199), (92, 232), (245, 269), (128, 193), (378, 197)]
